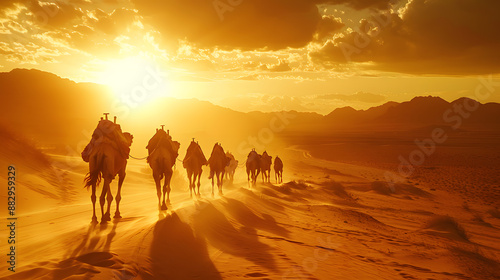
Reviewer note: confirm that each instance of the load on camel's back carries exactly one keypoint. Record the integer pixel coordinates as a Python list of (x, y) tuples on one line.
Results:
[(107, 132), (161, 134)]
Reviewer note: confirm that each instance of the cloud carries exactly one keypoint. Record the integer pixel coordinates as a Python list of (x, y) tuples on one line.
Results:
[(426, 37), (365, 97), (282, 66), (55, 14), (114, 23), (327, 26), (361, 4), (244, 25)]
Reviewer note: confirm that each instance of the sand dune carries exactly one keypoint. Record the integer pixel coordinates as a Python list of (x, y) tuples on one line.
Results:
[(329, 220)]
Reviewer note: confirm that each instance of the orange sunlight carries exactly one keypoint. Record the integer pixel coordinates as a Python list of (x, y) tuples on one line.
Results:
[(135, 81)]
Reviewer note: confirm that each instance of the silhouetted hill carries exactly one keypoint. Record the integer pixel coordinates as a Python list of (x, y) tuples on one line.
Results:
[(48, 107), (419, 112), (349, 114)]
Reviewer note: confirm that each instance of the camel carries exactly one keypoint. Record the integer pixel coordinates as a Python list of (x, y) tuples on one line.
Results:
[(217, 162), (193, 162), (265, 166), (231, 168), (107, 156), (161, 159), (278, 170), (253, 166)]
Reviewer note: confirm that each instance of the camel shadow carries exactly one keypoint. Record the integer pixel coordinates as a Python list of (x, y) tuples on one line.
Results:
[(176, 253), (98, 238), (95, 239), (210, 223), (248, 218)]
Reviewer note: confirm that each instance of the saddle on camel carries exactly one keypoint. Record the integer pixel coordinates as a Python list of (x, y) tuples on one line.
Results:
[(159, 135), (107, 132)]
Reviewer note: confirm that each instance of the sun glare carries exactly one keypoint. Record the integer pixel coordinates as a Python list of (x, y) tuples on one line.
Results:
[(135, 80)]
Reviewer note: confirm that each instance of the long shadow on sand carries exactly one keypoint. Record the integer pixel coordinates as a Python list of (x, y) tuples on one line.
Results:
[(248, 218), (210, 223), (177, 254)]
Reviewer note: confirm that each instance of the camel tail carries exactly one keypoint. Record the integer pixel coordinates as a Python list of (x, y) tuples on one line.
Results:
[(94, 176)]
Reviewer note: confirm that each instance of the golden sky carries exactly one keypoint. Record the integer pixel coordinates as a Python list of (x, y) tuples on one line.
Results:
[(305, 55)]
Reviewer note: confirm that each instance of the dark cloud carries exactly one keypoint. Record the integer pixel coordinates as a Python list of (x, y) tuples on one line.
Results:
[(56, 14), (361, 4), (245, 25), (328, 26), (359, 96), (430, 37)]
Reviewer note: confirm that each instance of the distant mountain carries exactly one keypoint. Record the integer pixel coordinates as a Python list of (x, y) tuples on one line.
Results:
[(349, 114), (419, 112), (51, 110), (44, 104), (425, 110)]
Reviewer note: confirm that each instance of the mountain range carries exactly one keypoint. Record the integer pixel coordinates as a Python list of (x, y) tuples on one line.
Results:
[(51, 109)]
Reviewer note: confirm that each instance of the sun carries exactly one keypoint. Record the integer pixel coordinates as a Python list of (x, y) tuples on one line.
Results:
[(135, 80)]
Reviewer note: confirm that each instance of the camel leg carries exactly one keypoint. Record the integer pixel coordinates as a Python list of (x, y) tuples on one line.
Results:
[(118, 197), (163, 205), (93, 198), (219, 184), (168, 178), (199, 184), (191, 185), (158, 189), (109, 199), (102, 199), (212, 184)]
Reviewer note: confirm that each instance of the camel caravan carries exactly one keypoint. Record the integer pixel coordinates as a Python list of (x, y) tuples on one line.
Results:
[(109, 149)]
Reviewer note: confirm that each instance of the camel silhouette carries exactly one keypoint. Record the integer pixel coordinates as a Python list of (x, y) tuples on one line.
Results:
[(265, 166), (217, 162), (162, 155), (231, 168), (193, 161), (107, 154), (278, 170), (253, 166)]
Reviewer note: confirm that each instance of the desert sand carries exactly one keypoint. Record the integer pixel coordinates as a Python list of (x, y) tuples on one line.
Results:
[(332, 218)]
